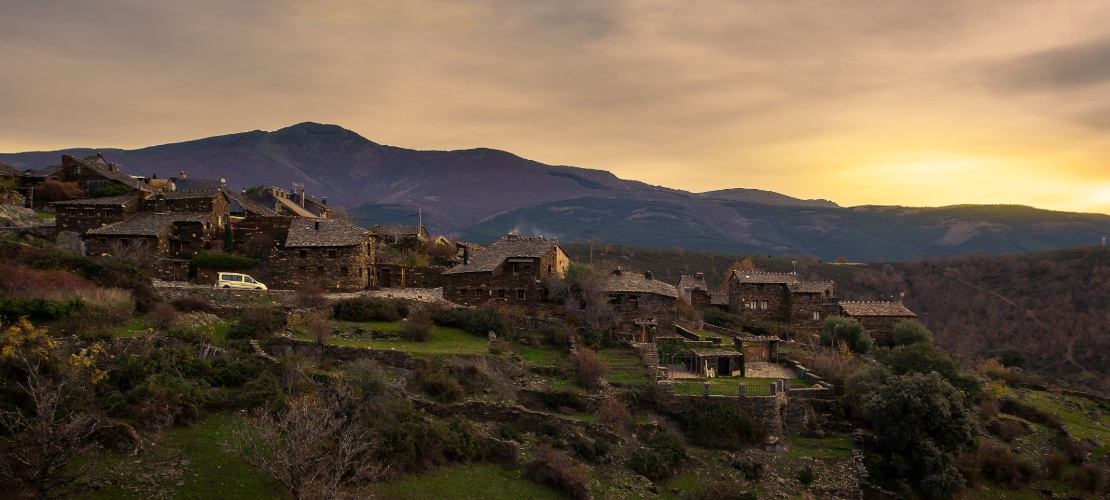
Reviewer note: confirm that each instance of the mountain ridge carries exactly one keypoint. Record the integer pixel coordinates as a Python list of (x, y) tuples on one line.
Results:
[(480, 193)]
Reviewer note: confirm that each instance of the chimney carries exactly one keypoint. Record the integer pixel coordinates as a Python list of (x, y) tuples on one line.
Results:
[(99, 155), (181, 175), (112, 167), (617, 271), (647, 275), (699, 276), (466, 255), (317, 225), (154, 175), (324, 200), (160, 203)]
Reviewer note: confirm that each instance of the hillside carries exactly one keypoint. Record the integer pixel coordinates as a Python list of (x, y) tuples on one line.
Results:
[(481, 194)]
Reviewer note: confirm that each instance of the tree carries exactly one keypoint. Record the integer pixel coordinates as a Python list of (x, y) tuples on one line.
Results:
[(55, 426), (112, 190), (311, 447), (910, 331), (52, 190), (926, 358), (838, 329), (923, 426)]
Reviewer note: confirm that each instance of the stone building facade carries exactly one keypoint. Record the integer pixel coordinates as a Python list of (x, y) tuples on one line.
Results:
[(170, 239), (782, 298), (643, 302), (694, 291), (878, 317), (512, 270), (86, 214), (332, 254)]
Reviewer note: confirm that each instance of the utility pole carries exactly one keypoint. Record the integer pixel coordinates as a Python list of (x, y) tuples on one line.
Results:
[(591, 247), (419, 220)]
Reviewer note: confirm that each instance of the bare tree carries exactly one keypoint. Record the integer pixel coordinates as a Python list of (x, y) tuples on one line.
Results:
[(311, 447), (43, 440)]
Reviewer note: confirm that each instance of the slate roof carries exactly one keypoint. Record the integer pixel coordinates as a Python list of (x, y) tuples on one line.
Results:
[(759, 277), (105, 201), (197, 184), (189, 195), (148, 223), (875, 308), (246, 204), (811, 286), (692, 283), (295, 208), (490, 258), (715, 352), (718, 299), (331, 233), (625, 282), (102, 168)]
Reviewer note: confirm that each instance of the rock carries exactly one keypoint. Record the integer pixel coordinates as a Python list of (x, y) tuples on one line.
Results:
[(120, 437)]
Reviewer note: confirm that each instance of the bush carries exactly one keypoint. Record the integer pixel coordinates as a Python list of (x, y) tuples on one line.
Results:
[(1030, 413), (189, 335), (367, 378), (162, 316), (614, 413), (554, 468), (752, 471), (806, 476), (257, 323), (12, 309), (319, 329), (223, 262), (438, 383), (721, 425), (910, 331), (363, 309), (838, 329), (310, 297), (112, 190), (658, 461), (193, 303), (1000, 465), (478, 321), (417, 327), (722, 489), (164, 400), (589, 368)]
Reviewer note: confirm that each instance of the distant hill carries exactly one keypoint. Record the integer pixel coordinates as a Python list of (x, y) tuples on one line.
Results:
[(480, 194)]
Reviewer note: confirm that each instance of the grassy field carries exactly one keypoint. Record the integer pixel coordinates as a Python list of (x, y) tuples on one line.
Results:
[(443, 341), (625, 368), (190, 462), (465, 481), (724, 386)]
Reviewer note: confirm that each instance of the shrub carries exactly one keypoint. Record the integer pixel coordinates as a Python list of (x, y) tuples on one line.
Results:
[(722, 489), (162, 316), (1030, 413), (752, 471), (614, 413), (438, 382), (223, 262), (1093, 478), (478, 321), (910, 331), (363, 309), (594, 452), (367, 378), (510, 432), (257, 323), (193, 303), (806, 476), (589, 367), (1055, 464), (112, 190), (190, 335), (1000, 465), (417, 327), (554, 468), (839, 329), (658, 461), (11, 309), (164, 400), (721, 425), (319, 329), (310, 297), (53, 190)]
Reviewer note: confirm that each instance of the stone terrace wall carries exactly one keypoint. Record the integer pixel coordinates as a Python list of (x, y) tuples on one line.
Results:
[(282, 346)]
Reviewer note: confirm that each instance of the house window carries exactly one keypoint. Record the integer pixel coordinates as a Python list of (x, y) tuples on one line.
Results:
[(462, 292), (331, 254), (481, 292), (343, 272), (633, 302), (89, 212), (304, 253), (500, 293), (521, 294), (816, 315), (320, 271), (125, 243)]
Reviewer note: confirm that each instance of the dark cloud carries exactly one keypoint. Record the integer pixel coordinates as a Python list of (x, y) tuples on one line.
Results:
[(1060, 69)]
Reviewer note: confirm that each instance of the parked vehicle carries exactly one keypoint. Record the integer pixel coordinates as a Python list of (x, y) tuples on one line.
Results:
[(236, 280)]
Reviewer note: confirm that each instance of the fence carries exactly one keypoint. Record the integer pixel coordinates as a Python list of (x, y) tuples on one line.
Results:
[(700, 388)]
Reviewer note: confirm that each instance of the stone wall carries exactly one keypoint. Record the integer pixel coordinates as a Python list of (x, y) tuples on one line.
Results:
[(335, 269), (283, 346), (527, 288), (775, 295), (881, 328)]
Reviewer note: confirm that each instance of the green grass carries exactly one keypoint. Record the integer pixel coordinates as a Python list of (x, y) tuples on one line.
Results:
[(1076, 414), (546, 356), (829, 447), (443, 341), (465, 481), (724, 386), (625, 368), (133, 328), (204, 468)]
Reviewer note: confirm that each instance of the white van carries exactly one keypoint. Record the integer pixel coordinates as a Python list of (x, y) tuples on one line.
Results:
[(236, 280)]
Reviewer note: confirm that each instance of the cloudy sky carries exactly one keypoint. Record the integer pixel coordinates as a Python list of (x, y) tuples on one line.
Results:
[(921, 103)]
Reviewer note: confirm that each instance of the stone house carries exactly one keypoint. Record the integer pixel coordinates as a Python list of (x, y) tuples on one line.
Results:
[(85, 214), (782, 298), (512, 270), (694, 291), (878, 317), (91, 175), (716, 362), (171, 239), (403, 236), (643, 302), (332, 254), (292, 203)]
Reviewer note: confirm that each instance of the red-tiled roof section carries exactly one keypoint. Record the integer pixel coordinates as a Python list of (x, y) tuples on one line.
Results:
[(876, 308), (812, 286), (625, 282), (758, 277), (493, 256), (324, 233)]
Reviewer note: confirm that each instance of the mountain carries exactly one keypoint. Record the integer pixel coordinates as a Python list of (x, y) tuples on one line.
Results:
[(480, 194)]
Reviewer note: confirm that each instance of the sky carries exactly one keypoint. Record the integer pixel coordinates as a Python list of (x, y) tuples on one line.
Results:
[(886, 102)]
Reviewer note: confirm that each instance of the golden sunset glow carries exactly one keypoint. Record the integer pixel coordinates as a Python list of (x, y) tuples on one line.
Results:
[(869, 102)]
